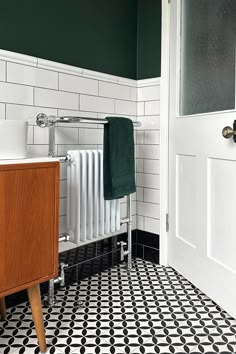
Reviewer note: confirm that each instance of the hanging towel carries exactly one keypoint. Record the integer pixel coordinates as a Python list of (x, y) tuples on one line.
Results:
[(118, 162)]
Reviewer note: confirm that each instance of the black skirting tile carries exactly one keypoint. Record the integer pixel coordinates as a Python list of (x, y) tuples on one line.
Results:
[(70, 275), (134, 251), (106, 245), (148, 239), (134, 236), (78, 254), (139, 251), (98, 265), (151, 254)]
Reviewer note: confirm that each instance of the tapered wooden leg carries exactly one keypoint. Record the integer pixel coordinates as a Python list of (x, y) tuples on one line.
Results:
[(3, 311), (36, 307)]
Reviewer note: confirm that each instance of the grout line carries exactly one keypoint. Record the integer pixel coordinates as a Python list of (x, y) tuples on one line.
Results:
[(6, 71), (33, 96), (58, 81)]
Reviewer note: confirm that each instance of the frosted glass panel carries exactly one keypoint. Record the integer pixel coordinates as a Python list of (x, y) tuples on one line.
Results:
[(207, 59)]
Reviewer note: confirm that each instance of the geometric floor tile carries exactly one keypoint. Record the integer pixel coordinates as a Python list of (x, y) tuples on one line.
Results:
[(147, 310)]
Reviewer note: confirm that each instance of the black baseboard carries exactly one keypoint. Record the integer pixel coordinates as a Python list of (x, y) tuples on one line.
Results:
[(147, 246), (95, 257)]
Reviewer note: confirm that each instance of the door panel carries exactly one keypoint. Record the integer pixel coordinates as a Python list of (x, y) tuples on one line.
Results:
[(221, 213), (202, 164), (186, 194)]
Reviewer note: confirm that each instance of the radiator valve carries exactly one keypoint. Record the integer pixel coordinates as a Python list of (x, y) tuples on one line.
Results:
[(123, 253)]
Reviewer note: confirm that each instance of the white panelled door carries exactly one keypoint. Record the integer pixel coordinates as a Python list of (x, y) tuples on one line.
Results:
[(202, 164)]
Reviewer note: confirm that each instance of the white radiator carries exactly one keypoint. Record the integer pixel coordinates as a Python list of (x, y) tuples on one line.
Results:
[(88, 215)]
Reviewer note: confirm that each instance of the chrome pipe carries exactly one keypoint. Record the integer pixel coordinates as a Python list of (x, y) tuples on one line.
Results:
[(129, 227), (63, 159), (52, 152), (50, 302), (122, 244), (66, 158), (65, 237), (58, 280)]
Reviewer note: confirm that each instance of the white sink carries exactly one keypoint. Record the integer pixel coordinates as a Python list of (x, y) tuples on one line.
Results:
[(13, 139)]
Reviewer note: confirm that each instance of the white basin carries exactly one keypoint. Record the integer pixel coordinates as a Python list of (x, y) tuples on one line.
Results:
[(13, 139)]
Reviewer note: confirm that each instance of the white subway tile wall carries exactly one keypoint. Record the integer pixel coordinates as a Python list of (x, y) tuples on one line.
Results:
[(78, 84), (11, 93), (29, 86), (2, 111), (32, 76), (148, 156), (55, 98), (3, 70), (97, 104)]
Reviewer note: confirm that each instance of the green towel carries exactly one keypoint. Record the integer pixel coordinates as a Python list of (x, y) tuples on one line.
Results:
[(118, 160)]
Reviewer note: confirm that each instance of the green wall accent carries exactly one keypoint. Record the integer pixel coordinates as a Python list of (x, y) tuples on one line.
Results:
[(149, 39), (118, 37), (93, 34)]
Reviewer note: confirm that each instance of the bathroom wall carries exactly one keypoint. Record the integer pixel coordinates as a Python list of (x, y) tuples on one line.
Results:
[(29, 85), (149, 39), (99, 35)]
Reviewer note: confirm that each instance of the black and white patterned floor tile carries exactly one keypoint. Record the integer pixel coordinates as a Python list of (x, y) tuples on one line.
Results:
[(148, 310)]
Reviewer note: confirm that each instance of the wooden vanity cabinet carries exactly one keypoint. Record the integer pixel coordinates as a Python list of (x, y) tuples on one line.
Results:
[(29, 215)]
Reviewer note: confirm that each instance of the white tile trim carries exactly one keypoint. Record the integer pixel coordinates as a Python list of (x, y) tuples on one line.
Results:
[(73, 70), (17, 58), (59, 67), (149, 82)]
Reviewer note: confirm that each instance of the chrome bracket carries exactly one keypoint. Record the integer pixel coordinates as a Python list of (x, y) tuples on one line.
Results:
[(43, 121)]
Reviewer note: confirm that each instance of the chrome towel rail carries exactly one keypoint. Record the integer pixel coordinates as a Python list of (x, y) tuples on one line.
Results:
[(42, 120)]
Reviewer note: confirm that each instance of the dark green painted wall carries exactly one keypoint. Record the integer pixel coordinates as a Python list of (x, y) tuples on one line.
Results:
[(149, 39), (93, 34), (103, 35)]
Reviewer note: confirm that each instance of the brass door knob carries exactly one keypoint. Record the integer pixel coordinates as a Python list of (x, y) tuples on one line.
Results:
[(228, 132)]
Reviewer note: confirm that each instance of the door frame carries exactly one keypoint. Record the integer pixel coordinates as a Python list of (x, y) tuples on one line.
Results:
[(164, 131)]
